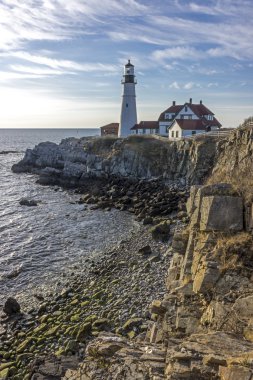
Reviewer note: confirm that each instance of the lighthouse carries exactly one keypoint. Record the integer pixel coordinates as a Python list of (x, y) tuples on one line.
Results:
[(128, 116)]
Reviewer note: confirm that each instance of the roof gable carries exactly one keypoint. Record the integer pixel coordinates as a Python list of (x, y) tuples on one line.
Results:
[(146, 125), (198, 109), (172, 109), (186, 124)]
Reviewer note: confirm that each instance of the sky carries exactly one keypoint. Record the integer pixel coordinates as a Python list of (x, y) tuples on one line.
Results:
[(61, 61)]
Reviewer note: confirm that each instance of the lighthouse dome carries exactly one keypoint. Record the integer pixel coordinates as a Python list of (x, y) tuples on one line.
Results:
[(129, 64)]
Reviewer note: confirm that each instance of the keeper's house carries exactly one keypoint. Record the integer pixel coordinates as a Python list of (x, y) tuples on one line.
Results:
[(186, 119)]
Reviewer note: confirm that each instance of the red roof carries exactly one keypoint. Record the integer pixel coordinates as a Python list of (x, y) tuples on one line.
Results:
[(111, 125), (172, 109), (146, 125), (194, 125), (199, 110), (213, 123)]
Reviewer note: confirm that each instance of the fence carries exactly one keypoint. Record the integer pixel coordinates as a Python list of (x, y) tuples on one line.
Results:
[(218, 133)]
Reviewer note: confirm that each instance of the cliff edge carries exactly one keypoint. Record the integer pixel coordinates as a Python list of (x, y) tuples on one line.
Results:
[(138, 157)]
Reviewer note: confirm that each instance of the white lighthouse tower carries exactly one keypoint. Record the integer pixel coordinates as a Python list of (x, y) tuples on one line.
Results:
[(128, 116)]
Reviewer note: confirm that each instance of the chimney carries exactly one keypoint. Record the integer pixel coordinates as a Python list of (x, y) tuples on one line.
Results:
[(200, 102), (190, 100), (174, 103)]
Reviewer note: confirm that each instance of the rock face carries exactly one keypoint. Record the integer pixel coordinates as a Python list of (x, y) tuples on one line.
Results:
[(221, 213), (204, 324), (234, 160), (118, 359), (227, 158), (73, 160)]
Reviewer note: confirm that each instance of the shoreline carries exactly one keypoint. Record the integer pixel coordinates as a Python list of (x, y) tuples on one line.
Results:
[(115, 294), (118, 288)]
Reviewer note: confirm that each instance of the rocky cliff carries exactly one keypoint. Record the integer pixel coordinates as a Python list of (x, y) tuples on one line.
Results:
[(234, 160), (202, 329), (223, 158), (73, 160)]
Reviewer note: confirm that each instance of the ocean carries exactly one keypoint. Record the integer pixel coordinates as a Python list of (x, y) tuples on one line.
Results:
[(42, 246)]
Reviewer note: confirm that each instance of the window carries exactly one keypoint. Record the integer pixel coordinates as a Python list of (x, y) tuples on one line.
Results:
[(185, 109), (126, 105), (172, 134), (182, 116), (189, 117), (176, 133)]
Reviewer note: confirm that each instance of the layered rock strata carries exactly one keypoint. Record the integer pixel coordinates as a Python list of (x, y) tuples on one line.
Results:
[(203, 325), (73, 160)]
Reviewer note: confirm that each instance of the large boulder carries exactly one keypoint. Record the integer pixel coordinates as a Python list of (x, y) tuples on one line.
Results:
[(28, 202), (11, 306), (161, 231), (244, 307), (221, 213), (198, 194)]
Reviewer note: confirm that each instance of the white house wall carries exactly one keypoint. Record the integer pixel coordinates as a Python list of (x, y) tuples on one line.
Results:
[(163, 128), (187, 113), (175, 129), (182, 132)]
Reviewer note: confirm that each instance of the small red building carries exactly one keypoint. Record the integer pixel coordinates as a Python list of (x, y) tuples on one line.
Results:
[(110, 129)]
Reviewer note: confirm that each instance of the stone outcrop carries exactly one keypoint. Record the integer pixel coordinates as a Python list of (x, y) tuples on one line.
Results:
[(207, 313), (234, 160), (204, 324), (115, 358), (73, 160), (11, 306)]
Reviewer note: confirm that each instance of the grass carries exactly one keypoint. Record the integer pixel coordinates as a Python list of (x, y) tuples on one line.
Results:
[(235, 251)]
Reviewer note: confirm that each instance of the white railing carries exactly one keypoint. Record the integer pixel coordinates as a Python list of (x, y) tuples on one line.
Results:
[(218, 133)]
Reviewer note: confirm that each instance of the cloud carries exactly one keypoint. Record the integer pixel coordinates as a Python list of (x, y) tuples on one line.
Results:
[(176, 52), (64, 64), (7, 76), (189, 85), (212, 84), (56, 20), (228, 36), (174, 85), (216, 7), (37, 70)]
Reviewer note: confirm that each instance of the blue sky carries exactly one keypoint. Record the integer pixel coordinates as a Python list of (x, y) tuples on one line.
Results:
[(61, 61)]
